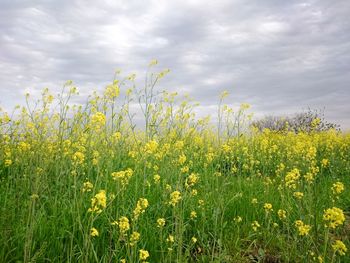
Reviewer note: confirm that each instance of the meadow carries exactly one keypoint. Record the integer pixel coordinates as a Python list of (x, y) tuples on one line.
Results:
[(83, 183)]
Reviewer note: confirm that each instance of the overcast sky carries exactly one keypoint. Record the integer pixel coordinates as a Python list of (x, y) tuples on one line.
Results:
[(279, 56)]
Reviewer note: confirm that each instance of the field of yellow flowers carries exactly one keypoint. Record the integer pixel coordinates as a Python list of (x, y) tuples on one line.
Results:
[(83, 183)]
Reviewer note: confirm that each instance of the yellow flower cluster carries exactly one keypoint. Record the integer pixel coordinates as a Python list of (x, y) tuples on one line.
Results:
[(338, 188), (123, 176), (99, 202), (175, 197), (141, 206), (339, 247), (291, 179), (123, 224), (333, 217), (303, 229)]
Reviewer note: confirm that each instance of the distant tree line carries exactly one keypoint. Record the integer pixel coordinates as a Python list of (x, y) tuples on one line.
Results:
[(307, 121)]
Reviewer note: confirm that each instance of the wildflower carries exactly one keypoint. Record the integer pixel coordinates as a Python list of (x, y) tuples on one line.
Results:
[(182, 159), (151, 147), (160, 222), (93, 232), (135, 236), (123, 224), (302, 228), (143, 254), (99, 202), (194, 192), (87, 186), (238, 219), (334, 217), (123, 176), (298, 195), (194, 240), (141, 206), (338, 188), (254, 201), (156, 178), (281, 214), (255, 225), (78, 158), (185, 169), (175, 197), (191, 180), (324, 163), (268, 207), (200, 202), (339, 247), (193, 215), (292, 178), (170, 239)]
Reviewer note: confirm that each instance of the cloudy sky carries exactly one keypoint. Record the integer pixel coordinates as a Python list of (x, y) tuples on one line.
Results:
[(279, 56)]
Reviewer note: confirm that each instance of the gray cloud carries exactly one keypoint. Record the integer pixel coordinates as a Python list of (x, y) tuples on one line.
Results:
[(280, 56)]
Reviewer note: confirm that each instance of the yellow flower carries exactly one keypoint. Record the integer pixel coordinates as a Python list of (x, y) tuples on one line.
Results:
[(292, 178), (238, 219), (324, 163), (302, 228), (254, 201), (123, 224), (87, 186), (298, 195), (268, 207), (334, 217), (135, 236), (141, 206), (160, 222), (339, 247), (281, 214), (93, 232), (143, 254), (99, 202), (255, 225), (170, 239), (194, 240), (193, 215), (175, 197), (156, 178), (338, 188)]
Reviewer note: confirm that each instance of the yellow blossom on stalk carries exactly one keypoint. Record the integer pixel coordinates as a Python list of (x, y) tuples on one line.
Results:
[(325, 163), (182, 159), (292, 178), (193, 215), (334, 217), (185, 169), (298, 195), (143, 254), (238, 219), (194, 240), (194, 192), (123, 176), (151, 147), (134, 237), (268, 207), (282, 214), (191, 180), (338, 188), (93, 232), (87, 186), (160, 222), (200, 202), (339, 247), (99, 202), (156, 178), (254, 201), (117, 136), (123, 224), (302, 228), (78, 158), (170, 239), (255, 225), (141, 206), (98, 120), (175, 197)]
